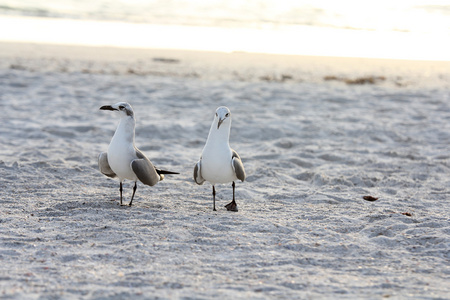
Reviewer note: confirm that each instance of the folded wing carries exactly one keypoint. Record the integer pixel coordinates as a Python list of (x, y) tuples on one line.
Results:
[(144, 169), (198, 173), (103, 165), (238, 166)]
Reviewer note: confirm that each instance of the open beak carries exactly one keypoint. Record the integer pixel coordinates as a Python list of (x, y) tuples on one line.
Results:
[(219, 123), (108, 107)]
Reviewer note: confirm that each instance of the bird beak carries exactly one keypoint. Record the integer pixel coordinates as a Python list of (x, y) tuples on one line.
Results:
[(219, 123), (108, 107)]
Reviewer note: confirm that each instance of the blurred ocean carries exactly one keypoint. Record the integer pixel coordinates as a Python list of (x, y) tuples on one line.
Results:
[(406, 16), (428, 18)]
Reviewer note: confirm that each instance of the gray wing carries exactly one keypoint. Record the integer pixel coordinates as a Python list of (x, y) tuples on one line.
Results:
[(198, 173), (238, 166), (144, 169), (103, 165)]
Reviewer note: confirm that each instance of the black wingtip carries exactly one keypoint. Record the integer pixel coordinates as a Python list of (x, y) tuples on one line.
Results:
[(166, 172)]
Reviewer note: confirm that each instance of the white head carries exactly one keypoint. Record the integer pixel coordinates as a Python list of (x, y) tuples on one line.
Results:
[(223, 116), (124, 108)]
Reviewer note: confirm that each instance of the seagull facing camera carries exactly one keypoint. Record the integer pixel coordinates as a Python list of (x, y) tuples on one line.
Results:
[(219, 163)]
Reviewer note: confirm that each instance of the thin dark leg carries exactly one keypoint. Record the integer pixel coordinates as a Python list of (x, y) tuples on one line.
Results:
[(232, 206), (233, 185), (134, 191), (120, 189), (214, 198)]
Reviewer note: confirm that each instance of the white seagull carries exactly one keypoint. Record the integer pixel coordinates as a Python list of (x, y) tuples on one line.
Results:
[(123, 159), (219, 163)]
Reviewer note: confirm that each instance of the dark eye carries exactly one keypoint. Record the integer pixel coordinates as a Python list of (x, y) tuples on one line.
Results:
[(217, 115), (227, 115), (121, 107)]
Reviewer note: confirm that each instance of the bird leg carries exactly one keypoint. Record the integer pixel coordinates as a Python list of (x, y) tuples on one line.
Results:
[(214, 198), (232, 206), (134, 191), (120, 189)]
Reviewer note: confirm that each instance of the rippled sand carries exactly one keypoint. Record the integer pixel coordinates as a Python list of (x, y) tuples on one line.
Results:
[(312, 149)]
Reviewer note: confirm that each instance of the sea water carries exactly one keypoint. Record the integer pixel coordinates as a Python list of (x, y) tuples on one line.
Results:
[(417, 29)]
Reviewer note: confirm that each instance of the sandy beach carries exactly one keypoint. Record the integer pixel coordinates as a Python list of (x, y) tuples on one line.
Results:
[(315, 134)]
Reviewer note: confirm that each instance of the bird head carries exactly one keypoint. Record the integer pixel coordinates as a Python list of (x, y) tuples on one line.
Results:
[(223, 116), (124, 108)]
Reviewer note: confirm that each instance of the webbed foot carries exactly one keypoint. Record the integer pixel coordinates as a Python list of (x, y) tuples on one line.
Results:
[(232, 206)]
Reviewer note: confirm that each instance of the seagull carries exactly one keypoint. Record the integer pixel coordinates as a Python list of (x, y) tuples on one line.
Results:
[(123, 159), (219, 163)]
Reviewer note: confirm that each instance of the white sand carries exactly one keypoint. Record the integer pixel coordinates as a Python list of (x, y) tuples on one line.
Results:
[(312, 149)]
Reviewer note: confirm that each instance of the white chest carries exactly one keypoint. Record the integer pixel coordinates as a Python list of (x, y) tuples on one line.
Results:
[(120, 156), (217, 164)]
